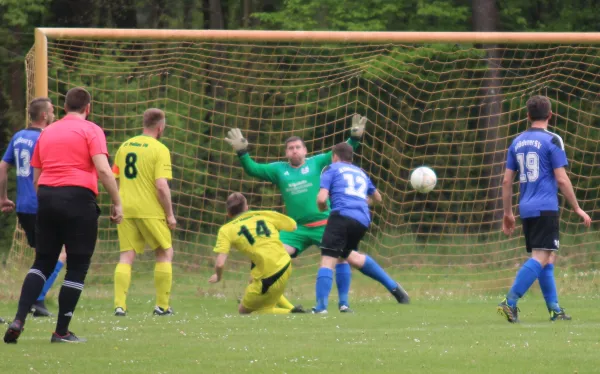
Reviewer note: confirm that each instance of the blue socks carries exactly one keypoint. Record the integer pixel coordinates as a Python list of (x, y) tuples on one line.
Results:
[(343, 276), (372, 270), (548, 286), (50, 281), (529, 272), (323, 288)]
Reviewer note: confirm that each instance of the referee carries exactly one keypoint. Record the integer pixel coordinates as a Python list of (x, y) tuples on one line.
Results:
[(69, 158)]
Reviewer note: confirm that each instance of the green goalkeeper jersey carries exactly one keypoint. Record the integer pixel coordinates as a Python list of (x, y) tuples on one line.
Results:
[(299, 186)]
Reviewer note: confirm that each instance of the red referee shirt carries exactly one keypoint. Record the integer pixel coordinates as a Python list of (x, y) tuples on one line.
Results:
[(64, 153)]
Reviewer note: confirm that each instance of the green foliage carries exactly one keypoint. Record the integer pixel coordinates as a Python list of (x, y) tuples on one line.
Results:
[(19, 12)]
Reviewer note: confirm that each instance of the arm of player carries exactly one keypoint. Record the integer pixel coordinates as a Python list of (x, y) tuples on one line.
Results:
[(236, 140), (566, 187), (164, 197), (322, 198), (107, 179), (375, 198), (508, 224), (283, 222), (356, 133), (6, 205), (219, 267), (37, 173)]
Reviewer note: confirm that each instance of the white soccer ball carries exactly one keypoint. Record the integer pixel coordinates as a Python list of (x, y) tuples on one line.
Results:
[(423, 179)]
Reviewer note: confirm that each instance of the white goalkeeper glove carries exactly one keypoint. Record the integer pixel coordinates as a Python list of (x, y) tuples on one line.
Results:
[(236, 140), (358, 126)]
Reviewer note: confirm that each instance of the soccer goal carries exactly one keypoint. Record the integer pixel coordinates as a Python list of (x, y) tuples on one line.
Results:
[(451, 101)]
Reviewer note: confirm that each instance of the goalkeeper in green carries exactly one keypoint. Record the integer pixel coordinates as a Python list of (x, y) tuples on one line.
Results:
[(299, 181)]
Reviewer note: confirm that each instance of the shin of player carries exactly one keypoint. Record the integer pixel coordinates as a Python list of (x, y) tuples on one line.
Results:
[(350, 191), (256, 235), (142, 167), (538, 157)]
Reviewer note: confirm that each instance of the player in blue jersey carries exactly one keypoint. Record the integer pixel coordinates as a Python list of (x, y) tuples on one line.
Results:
[(18, 154), (350, 191), (538, 157)]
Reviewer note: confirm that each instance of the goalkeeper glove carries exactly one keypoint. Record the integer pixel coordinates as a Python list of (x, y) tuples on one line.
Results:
[(358, 126), (237, 141)]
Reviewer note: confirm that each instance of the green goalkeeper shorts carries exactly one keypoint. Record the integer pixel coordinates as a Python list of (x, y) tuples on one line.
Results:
[(302, 238)]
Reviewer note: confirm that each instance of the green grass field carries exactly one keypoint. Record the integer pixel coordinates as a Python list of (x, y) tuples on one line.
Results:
[(442, 334)]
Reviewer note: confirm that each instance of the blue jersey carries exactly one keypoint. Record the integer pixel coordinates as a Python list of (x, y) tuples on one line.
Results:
[(19, 153), (348, 187), (535, 154)]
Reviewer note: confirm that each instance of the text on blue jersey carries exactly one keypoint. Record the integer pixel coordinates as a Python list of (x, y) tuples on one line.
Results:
[(534, 155), (18, 154), (348, 187)]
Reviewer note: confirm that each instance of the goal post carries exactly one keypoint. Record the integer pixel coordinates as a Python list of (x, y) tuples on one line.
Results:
[(450, 100)]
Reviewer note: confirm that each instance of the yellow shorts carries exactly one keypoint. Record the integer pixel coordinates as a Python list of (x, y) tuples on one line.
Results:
[(256, 299), (135, 233)]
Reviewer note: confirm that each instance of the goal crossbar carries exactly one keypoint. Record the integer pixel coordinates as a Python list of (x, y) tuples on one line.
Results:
[(42, 35)]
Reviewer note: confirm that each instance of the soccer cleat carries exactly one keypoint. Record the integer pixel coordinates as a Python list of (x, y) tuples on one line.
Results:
[(400, 295), (510, 313), (560, 315), (120, 312), (158, 311), (298, 309), (39, 310), (345, 309), (69, 338), (13, 332), (2, 320), (315, 311)]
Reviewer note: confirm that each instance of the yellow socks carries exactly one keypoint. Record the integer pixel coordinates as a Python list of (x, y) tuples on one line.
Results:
[(163, 279), (284, 303), (122, 282)]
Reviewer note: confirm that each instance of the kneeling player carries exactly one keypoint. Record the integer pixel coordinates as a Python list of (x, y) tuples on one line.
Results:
[(350, 190), (256, 234)]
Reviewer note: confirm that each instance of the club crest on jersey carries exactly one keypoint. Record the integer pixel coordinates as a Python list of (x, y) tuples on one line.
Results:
[(286, 173), (305, 170)]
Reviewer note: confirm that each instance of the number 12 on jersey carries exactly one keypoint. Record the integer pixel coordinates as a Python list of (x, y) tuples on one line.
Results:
[(531, 162), (357, 185)]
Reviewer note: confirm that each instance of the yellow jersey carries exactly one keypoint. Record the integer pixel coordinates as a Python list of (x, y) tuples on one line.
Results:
[(139, 162), (256, 234)]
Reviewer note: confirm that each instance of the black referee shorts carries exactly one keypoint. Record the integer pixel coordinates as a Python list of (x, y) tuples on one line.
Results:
[(27, 223), (342, 236), (66, 216), (541, 233)]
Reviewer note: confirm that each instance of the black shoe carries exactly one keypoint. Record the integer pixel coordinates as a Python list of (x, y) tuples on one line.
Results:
[(559, 315), (510, 313), (400, 295), (120, 312), (39, 310), (298, 309), (14, 331), (345, 309), (158, 311), (69, 338)]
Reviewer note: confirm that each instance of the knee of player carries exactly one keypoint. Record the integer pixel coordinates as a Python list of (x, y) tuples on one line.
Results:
[(164, 255), (356, 259), (243, 310), (127, 257)]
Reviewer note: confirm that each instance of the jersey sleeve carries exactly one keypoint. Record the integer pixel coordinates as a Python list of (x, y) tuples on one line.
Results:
[(9, 155), (268, 172), (97, 141), (326, 178), (282, 222), (511, 159), (223, 241), (36, 161), (163, 167), (558, 156), (115, 168)]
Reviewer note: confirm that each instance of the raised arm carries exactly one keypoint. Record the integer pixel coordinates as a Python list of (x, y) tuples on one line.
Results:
[(239, 144), (356, 133)]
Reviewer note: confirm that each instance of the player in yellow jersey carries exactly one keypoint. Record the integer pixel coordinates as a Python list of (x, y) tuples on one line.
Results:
[(142, 167), (256, 234)]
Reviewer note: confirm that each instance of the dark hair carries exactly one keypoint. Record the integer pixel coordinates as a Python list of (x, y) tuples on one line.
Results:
[(77, 99), (235, 204), (153, 117), (294, 139), (539, 108), (344, 151), (38, 106)]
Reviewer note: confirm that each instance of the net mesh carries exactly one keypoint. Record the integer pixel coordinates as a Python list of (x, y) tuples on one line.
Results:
[(455, 108)]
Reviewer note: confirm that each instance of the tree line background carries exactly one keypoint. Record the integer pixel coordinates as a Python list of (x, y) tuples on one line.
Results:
[(20, 17)]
